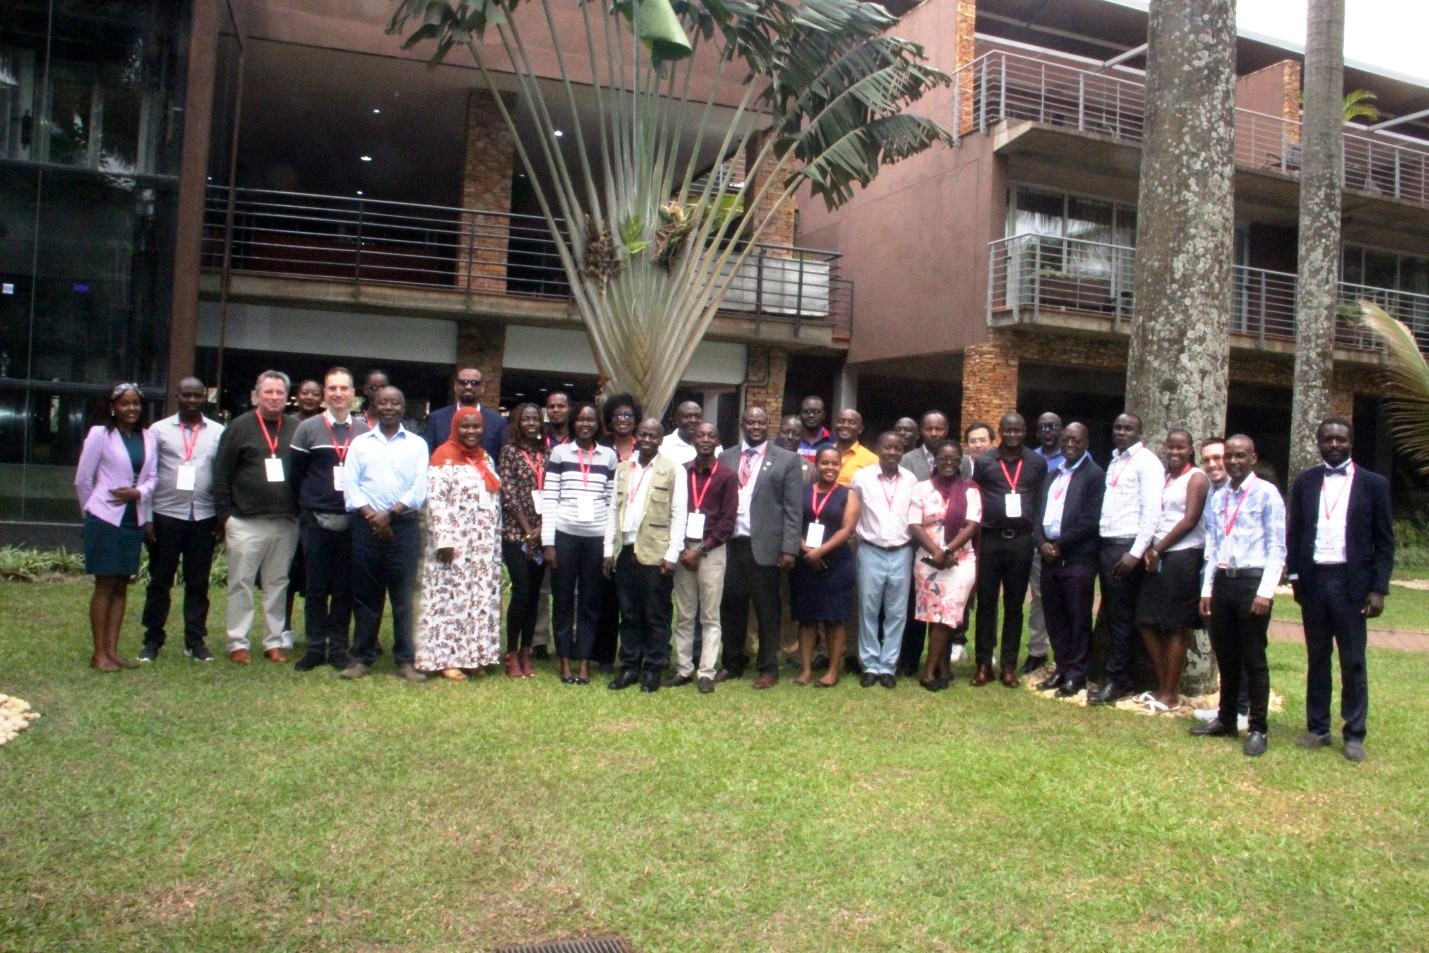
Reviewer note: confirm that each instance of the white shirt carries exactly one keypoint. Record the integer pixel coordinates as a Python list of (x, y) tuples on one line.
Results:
[(1057, 499), (673, 447), (1330, 522), (746, 490), (639, 482), (1131, 506), (883, 505)]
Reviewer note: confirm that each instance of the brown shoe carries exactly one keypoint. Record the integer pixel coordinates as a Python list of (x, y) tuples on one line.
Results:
[(766, 680), (982, 676), (1009, 676), (275, 655), (524, 658), (239, 657), (513, 665)]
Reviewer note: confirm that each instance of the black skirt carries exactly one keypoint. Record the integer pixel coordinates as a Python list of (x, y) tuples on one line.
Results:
[(1171, 598)]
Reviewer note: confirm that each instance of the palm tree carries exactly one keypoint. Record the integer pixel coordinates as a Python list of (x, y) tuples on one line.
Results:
[(655, 232), (1406, 386)]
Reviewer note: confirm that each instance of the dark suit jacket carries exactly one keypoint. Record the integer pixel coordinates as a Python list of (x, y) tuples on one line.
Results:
[(1081, 513), (1369, 531), (439, 429), (776, 512), (915, 461)]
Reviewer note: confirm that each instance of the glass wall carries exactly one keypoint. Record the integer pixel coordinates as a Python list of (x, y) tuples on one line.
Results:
[(91, 124)]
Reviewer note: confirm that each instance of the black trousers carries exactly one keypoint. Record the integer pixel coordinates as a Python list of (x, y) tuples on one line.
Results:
[(384, 569), (915, 631), (577, 584), (607, 629), (327, 605), (526, 575), (192, 542), (646, 606), (1238, 638), (1067, 595), (745, 582), (960, 634), (1119, 612), (1004, 569), (1331, 618)]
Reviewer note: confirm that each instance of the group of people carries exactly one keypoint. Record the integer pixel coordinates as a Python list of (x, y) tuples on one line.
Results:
[(672, 541)]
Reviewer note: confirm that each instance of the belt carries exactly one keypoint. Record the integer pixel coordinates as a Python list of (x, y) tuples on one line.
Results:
[(1010, 533), (1331, 566), (886, 549), (1240, 572), (1119, 540)]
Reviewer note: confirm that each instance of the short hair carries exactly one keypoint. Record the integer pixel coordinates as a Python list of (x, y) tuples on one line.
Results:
[(273, 375), (889, 433), (577, 409), (938, 445), (1333, 420), (558, 393), (931, 413), (309, 380), (615, 401), (376, 370), (456, 371), (339, 369), (1190, 440), (1210, 440), (828, 448), (979, 425)]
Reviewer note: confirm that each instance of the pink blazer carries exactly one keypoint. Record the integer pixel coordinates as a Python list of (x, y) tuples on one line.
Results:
[(104, 466)]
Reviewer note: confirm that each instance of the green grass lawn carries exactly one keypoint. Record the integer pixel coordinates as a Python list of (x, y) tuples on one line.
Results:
[(1405, 610), (190, 807)]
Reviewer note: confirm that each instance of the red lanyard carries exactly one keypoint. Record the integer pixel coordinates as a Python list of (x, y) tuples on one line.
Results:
[(273, 440), (1172, 479), (1230, 517), (816, 506), (1063, 479), (883, 485), (750, 464), (190, 444), (537, 472), (1330, 506), (1125, 462), (1011, 478), (341, 451), (632, 493), (552, 444), (695, 494), (584, 464)]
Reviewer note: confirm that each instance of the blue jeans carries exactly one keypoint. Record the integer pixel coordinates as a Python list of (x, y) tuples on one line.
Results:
[(381, 569), (883, 579)]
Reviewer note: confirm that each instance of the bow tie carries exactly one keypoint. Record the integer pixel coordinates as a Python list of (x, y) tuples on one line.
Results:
[(1336, 471)]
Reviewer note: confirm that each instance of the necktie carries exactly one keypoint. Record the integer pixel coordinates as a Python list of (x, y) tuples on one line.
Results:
[(746, 467)]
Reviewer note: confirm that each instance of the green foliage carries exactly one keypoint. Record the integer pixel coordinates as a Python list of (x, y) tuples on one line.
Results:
[(1406, 386), (18, 564), (1411, 548), (1359, 104)]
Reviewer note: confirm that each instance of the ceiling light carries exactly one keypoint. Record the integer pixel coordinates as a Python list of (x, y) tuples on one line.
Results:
[(366, 158), (558, 134), (359, 191), (376, 112)]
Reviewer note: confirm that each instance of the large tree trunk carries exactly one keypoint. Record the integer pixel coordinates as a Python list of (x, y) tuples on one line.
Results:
[(1178, 364), (1321, 158)]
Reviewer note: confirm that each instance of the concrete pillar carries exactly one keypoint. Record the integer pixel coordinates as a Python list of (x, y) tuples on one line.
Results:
[(989, 379), (482, 344), (845, 393), (485, 186)]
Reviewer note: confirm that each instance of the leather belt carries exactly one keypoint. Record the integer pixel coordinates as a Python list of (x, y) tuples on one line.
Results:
[(1240, 572)]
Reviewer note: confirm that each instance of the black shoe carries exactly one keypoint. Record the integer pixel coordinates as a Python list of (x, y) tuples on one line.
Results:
[(1213, 729), (1255, 744), (706, 685), (625, 679), (867, 679), (1070, 688), (1313, 740), (650, 680), (200, 653), (1049, 684), (888, 680), (541, 654), (1354, 751), (148, 653), (309, 662), (340, 661), (680, 681), (1033, 663), (1109, 693)]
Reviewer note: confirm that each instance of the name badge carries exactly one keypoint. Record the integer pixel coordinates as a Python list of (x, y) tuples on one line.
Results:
[(1013, 506), (338, 478), (585, 509), (486, 500), (537, 501), (695, 526), (273, 467), (188, 474), (814, 535)]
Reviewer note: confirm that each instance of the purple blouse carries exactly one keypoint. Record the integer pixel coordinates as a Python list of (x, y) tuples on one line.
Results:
[(104, 465)]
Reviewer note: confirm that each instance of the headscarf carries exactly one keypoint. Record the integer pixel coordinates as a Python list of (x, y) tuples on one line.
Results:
[(454, 453), (955, 491)]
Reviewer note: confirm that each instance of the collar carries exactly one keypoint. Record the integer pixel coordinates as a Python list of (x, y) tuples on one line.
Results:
[(745, 446), (819, 437), (334, 422), (1068, 469), (401, 432), (1341, 470), (1055, 453), (202, 421), (1127, 452)]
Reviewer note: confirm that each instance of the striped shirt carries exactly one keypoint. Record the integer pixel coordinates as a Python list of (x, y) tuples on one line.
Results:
[(1245, 529), (574, 475)]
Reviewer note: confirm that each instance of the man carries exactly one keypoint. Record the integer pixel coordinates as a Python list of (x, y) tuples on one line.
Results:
[(713, 507), (907, 430), (1131, 507), (813, 435), (558, 416), (933, 430), (184, 523), (468, 387), (386, 486), (258, 513), (885, 562), (765, 542), (1213, 462), (1070, 504), (319, 456), (680, 445), (644, 536), (790, 436), (977, 440), (853, 455), (371, 384), (1049, 438), (1010, 477), (1340, 552), (1245, 553)]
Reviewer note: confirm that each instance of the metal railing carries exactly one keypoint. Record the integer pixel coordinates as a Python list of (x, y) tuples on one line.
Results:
[(471, 251), (1000, 86), (1035, 277)]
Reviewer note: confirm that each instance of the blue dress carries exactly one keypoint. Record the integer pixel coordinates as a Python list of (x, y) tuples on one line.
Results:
[(824, 595), (111, 550)]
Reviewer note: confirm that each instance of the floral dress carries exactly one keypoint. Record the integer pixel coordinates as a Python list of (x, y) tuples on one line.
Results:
[(460, 622), (942, 594)]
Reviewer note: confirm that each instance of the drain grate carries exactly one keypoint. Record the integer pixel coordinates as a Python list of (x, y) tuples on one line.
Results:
[(604, 944)]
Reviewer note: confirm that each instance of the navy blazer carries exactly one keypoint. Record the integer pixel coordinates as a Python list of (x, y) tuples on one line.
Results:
[(439, 429), (1369, 531), (1081, 513)]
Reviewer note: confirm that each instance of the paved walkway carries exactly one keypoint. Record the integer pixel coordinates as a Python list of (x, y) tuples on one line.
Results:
[(1281, 631)]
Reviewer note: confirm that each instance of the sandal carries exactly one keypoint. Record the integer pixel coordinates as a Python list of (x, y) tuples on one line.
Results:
[(1154, 707)]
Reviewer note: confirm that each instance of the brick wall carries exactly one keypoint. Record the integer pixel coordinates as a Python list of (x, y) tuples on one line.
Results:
[(782, 226), (485, 185), (764, 375), (990, 378), (966, 26), (482, 344)]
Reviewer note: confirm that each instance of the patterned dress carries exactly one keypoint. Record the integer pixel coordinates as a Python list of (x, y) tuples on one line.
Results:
[(460, 623), (942, 594)]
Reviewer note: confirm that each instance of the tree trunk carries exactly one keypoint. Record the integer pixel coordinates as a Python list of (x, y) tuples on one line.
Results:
[(1315, 296), (1179, 356)]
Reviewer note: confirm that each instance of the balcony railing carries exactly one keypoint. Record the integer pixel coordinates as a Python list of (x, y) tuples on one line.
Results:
[(1000, 85), (1035, 277), (367, 241)]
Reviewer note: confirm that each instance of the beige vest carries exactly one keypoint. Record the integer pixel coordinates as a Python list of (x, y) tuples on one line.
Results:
[(653, 537)]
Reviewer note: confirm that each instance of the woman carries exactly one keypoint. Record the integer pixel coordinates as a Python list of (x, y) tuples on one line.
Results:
[(575, 500), (1168, 606), (822, 582), (622, 416), (943, 519), (114, 482), (459, 629), (523, 475), (309, 398)]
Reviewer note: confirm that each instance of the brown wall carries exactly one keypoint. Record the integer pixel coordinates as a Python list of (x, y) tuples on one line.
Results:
[(1274, 90)]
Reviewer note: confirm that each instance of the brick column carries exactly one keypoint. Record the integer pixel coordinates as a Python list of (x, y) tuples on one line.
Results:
[(482, 344), (765, 371), (965, 25), (780, 230), (989, 379), (486, 186)]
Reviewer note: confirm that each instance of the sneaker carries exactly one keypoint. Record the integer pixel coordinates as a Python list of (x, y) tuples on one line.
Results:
[(199, 653), (408, 672), (148, 653), (1242, 722), (1354, 751), (957, 654), (355, 671), (1205, 714)]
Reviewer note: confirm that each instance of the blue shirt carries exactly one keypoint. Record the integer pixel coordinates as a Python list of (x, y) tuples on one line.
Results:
[(1057, 497), (382, 472), (1245, 529), (1054, 460)]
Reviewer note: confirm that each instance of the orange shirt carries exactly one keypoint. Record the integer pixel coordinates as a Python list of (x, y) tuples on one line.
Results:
[(854, 460)]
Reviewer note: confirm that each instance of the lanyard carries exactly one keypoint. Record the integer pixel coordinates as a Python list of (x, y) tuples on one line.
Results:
[(190, 444), (273, 440), (552, 444), (538, 473), (1230, 517), (584, 463), (628, 454), (817, 507), (883, 485), (1172, 479), (1011, 478), (1064, 479), (632, 493), (1125, 462), (1331, 506), (341, 451), (695, 494)]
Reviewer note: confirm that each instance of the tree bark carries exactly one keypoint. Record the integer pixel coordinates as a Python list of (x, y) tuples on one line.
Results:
[(1178, 364), (1320, 171)]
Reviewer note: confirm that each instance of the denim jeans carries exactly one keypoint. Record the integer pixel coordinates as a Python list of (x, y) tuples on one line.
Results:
[(383, 569)]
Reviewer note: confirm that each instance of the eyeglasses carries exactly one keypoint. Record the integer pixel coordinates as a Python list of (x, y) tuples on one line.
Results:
[(467, 382), (623, 415), (1049, 426)]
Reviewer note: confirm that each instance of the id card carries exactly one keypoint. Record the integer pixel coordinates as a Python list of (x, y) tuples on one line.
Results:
[(537, 501), (273, 467), (338, 478), (695, 526), (188, 473), (1012, 505), (585, 509), (814, 535)]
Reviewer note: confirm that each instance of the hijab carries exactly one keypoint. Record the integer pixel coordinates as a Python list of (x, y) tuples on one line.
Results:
[(454, 453)]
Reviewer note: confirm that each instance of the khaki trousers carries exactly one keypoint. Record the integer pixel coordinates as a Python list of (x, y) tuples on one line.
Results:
[(699, 593), (258, 546)]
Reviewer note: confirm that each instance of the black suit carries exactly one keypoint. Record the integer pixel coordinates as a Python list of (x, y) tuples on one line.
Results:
[(1069, 583), (1332, 597), (439, 429)]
